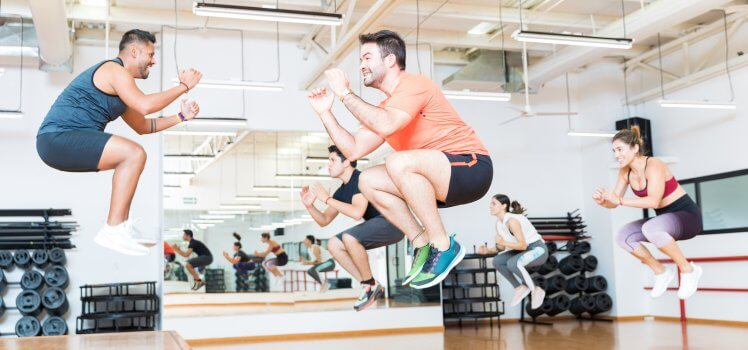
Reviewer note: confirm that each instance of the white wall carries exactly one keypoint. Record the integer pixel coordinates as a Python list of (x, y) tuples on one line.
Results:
[(26, 182)]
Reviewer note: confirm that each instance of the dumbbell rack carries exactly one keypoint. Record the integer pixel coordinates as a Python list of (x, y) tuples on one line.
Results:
[(583, 273), (214, 281), (118, 307), (489, 297), (36, 234)]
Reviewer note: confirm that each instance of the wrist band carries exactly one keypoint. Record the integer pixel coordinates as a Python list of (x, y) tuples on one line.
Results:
[(181, 116), (185, 85), (344, 94), (327, 199)]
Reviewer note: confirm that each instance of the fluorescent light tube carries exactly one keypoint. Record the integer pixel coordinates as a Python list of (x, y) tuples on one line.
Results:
[(256, 198), (301, 177), (266, 14), (11, 114), (323, 160), (227, 212), (199, 133), (189, 156), (569, 39), (240, 206), (478, 96), (276, 189), (235, 85), (216, 216), (696, 104), (219, 121), (592, 133), (481, 29), (205, 221)]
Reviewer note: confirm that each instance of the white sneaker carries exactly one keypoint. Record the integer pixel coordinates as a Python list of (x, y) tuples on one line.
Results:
[(662, 281), (519, 293), (538, 294), (117, 238), (137, 236), (325, 287), (279, 282), (689, 282)]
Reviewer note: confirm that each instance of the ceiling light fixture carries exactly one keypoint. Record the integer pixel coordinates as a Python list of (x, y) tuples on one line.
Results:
[(266, 14)]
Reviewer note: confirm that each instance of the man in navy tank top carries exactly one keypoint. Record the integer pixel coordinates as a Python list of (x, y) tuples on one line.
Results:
[(72, 138)]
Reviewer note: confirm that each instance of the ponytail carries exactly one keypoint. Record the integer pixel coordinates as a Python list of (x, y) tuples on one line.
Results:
[(511, 206), (517, 208), (631, 137)]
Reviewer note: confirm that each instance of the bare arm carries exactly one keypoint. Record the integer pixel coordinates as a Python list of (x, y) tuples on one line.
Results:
[(655, 188), (181, 252), (322, 218), (355, 210), (382, 121), (353, 146), (143, 125), (124, 86), (233, 260), (621, 183)]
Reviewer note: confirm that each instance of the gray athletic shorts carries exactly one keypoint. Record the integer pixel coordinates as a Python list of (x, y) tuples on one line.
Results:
[(374, 233), (201, 261)]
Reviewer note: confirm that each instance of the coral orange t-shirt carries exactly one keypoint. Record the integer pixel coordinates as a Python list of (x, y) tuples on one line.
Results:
[(435, 124)]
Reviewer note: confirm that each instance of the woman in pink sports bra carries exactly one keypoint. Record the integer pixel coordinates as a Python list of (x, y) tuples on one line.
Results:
[(678, 217)]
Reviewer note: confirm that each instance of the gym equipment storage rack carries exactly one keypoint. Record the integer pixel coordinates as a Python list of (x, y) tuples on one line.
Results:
[(118, 307), (471, 297)]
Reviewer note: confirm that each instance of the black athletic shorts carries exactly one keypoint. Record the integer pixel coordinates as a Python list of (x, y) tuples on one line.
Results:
[(374, 233), (471, 178), (201, 261), (73, 151)]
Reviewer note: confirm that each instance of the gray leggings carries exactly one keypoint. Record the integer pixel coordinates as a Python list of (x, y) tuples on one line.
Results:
[(513, 264), (325, 266)]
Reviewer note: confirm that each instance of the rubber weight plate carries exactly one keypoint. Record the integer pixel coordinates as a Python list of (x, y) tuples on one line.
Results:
[(22, 258), (57, 276), (3, 281), (54, 326), (40, 258), (29, 303), (57, 256), (28, 326), (32, 279), (6, 259), (55, 301)]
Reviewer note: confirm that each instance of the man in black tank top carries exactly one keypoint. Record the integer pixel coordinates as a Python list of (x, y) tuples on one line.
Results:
[(72, 136), (349, 247)]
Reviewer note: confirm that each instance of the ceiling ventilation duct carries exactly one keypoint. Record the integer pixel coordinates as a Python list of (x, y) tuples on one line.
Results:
[(487, 70), (53, 34)]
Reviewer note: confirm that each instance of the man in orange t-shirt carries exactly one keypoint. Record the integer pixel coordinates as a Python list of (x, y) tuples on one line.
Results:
[(439, 161)]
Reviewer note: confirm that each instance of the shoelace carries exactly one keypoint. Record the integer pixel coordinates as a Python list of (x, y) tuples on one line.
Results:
[(431, 261)]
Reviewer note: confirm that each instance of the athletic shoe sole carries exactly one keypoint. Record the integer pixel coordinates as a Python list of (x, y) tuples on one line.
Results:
[(107, 243), (653, 295), (410, 278), (698, 272), (533, 305), (145, 242), (439, 278), (378, 293)]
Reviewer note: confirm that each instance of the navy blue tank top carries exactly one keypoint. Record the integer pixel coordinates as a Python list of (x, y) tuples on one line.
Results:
[(82, 106)]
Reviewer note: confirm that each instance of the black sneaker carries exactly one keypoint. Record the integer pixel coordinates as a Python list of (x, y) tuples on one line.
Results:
[(198, 284), (368, 297)]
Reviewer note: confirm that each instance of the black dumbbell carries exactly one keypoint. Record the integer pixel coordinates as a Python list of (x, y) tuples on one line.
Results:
[(549, 266), (583, 247), (590, 263), (552, 247), (539, 282), (30, 280), (29, 303), (576, 284), (582, 304), (54, 325), (554, 284), (559, 304), (57, 276), (40, 258), (22, 258), (603, 303), (6, 259), (596, 284), (571, 264), (55, 301), (28, 326), (57, 256)]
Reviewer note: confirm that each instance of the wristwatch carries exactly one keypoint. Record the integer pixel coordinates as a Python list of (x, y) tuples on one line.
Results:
[(345, 93)]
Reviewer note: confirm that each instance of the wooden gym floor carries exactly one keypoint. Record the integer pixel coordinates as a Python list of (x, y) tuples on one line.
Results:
[(567, 335)]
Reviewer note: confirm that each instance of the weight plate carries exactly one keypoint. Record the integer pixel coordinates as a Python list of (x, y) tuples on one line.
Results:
[(29, 303), (40, 258), (6, 259), (54, 326), (57, 256), (55, 301), (28, 326), (57, 276), (32, 279), (22, 258)]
